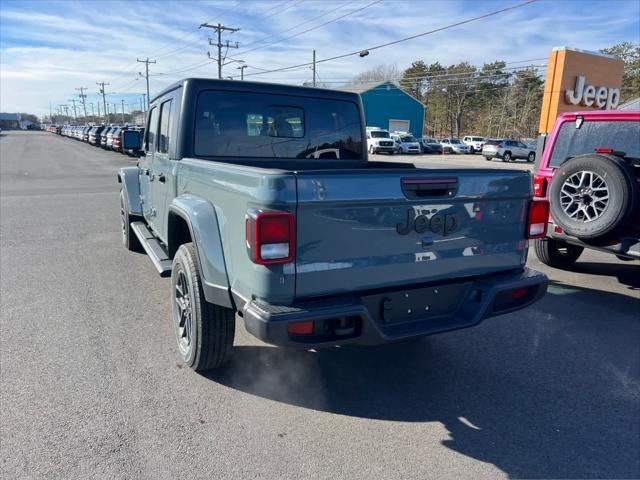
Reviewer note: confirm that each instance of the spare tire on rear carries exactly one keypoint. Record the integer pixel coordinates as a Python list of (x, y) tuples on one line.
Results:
[(593, 195)]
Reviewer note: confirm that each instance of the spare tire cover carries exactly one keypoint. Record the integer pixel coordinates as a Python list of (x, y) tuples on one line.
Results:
[(593, 195)]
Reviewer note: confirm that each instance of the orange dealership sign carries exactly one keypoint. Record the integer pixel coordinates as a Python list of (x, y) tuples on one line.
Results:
[(578, 80)]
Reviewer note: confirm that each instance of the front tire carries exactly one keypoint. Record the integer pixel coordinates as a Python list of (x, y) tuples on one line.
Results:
[(371, 150), (204, 331), (129, 239), (531, 157), (556, 254), (506, 157)]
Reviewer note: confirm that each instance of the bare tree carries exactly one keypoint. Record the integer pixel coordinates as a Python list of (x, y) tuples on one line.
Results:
[(385, 72)]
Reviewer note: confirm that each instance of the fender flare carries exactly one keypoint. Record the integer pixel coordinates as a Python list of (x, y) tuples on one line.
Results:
[(202, 220), (128, 177)]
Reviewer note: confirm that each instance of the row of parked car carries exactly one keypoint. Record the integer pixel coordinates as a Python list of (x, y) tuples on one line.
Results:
[(108, 137), (382, 141)]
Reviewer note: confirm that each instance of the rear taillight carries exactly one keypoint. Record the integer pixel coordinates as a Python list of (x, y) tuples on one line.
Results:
[(537, 219), (539, 186), (604, 150), (270, 237)]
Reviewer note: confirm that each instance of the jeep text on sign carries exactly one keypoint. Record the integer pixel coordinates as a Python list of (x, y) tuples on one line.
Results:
[(578, 80)]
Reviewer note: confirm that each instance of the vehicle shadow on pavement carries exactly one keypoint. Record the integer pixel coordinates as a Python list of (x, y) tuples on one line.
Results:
[(627, 274), (538, 393)]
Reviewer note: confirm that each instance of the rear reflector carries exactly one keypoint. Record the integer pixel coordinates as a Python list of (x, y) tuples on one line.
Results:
[(300, 328), (537, 219), (539, 186), (518, 293), (270, 237)]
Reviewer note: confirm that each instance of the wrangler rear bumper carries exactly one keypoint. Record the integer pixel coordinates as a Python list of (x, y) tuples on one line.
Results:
[(395, 314)]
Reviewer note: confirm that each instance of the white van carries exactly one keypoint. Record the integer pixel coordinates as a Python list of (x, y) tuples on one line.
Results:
[(379, 140), (406, 143)]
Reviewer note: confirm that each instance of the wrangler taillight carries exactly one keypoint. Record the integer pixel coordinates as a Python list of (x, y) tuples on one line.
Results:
[(539, 186), (270, 237), (537, 219)]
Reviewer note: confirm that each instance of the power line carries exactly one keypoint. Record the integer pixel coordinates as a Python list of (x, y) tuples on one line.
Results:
[(311, 20), (310, 29), (412, 37)]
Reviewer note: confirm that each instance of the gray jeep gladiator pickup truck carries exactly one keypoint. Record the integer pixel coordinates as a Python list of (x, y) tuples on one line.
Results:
[(260, 202)]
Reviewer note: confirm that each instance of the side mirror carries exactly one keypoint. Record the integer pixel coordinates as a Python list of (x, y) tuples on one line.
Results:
[(131, 140)]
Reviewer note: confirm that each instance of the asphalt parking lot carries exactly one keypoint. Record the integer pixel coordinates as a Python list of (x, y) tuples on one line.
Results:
[(91, 386)]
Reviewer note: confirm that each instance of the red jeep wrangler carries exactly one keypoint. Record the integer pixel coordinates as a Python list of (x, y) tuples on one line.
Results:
[(590, 174)]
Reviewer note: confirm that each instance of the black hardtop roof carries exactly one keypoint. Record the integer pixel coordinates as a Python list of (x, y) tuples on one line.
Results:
[(260, 87)]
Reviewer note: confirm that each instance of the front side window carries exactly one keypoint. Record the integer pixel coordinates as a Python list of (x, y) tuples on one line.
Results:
[(165, 117), (254, 125), (151, 130), (623, 136)]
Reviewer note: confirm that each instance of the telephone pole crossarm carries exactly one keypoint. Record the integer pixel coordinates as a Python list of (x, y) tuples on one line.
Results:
[(219, 28)]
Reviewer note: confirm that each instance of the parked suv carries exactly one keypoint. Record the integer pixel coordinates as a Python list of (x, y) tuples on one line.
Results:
[(431, 145), (508, 150), (590, 174), (454, 145), (475, 143)]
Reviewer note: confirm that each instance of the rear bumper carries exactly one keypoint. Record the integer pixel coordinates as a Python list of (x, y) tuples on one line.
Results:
[(368, 319)]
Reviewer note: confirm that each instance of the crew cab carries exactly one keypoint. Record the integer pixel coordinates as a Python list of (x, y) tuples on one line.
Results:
[(259, 201), (590, 174)]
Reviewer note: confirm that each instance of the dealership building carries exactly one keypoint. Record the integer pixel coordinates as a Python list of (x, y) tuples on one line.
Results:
[(391, 108)]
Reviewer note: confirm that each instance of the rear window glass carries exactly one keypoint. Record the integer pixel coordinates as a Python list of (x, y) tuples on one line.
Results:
[(623, 136), (492, 142), (478, 139), (254, 125)]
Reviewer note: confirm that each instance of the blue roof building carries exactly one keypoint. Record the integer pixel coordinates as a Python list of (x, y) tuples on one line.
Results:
[(389, 107)]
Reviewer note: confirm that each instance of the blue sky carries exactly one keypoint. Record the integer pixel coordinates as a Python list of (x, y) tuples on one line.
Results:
[(48, 48)]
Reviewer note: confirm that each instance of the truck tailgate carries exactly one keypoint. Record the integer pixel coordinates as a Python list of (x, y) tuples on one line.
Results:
[(366, 229)]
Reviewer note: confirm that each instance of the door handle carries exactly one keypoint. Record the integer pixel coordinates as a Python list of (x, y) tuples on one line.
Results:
[(162, 178)]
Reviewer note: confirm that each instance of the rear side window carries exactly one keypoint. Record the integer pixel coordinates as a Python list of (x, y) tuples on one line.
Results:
[(151, 130), (254, 125), (622, 136), (165, 121)]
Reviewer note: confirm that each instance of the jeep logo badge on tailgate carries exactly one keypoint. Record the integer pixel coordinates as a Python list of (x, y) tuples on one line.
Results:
[(443, 224)]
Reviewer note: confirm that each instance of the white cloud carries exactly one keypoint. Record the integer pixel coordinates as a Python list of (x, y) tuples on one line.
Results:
[(79, 46)]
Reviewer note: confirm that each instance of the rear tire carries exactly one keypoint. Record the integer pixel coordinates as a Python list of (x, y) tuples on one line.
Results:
[(531, 157), (204, 331), (488, 159), (556, 254)]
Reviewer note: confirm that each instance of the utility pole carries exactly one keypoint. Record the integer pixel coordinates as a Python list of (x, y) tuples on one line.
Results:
[(219, 28), (104, 100), (314, 68), (82, 99), (75, 113), (122, 101), (241, 68), (146, 66), (141, 107), (93, 112), (145, 103)]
